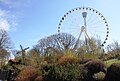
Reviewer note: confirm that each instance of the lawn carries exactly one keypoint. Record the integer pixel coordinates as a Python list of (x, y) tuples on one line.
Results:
[(111, 61)]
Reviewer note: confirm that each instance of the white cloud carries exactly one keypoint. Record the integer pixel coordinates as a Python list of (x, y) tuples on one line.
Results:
[(7, 21), (4, 24)]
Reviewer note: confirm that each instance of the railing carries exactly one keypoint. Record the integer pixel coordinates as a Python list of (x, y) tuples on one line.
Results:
[(6, 75)]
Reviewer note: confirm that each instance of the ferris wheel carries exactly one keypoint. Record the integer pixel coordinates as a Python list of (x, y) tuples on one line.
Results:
[(84, 23)]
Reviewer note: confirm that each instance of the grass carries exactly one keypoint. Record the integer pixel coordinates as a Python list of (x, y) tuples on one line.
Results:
[(111, 61)]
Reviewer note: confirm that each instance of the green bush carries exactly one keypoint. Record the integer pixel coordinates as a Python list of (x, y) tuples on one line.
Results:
[(68, 72), (91, 56), (68, 57)]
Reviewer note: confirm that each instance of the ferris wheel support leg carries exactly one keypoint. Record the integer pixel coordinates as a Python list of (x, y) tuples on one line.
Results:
[(77, 41)]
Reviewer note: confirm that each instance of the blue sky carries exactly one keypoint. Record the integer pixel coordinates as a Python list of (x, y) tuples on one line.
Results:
[(27, 21)]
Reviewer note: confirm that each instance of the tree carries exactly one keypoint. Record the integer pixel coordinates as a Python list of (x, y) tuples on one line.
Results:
[(5, 41), (113, 49), (3, 56), (5, 44), (33, 57), (93, 46), (56, 43)]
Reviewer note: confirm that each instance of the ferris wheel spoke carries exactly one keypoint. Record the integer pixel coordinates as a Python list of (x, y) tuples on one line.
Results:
[(71, 29), (84, 23), (75, 22), (74, 19), (95, 28), (90, 17), (94, 19), (100, 22), (98, 31), (72, 25), (94, 34)]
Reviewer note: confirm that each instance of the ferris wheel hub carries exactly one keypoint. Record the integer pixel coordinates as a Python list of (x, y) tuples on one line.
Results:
[(84, 14), (83, 29)]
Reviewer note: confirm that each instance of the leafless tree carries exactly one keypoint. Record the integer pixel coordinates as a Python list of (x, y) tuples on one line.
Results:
[(113, 49), (5, 44), (5, 41), (56, 42)]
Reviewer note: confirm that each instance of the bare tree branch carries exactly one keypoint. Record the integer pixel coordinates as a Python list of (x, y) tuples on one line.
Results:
[(5, 41), (54, 43)]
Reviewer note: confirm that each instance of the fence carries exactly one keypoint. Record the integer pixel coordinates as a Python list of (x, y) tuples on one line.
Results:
[(6, 75)]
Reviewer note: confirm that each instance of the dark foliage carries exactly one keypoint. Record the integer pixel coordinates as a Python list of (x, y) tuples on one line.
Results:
[(68, 72), (12, 62), (92, 67), (113, 72)]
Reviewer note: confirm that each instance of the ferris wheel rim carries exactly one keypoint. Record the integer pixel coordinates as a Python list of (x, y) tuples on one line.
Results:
[(88, 9)]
